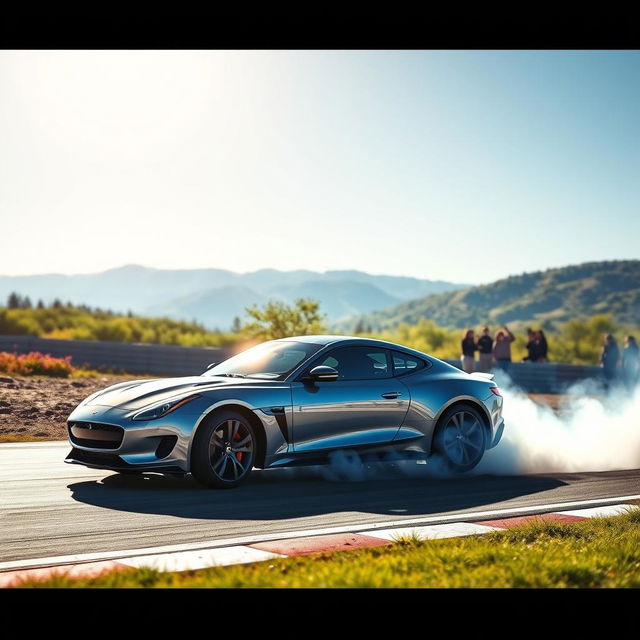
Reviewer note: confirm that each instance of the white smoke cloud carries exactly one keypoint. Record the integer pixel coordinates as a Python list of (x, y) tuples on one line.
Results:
[(590, 433)]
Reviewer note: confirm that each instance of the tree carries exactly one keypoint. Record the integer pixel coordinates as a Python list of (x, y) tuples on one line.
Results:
[(26, 303), (13, 301), (237, 325), (40, 304), (279, 320), (359, 327)]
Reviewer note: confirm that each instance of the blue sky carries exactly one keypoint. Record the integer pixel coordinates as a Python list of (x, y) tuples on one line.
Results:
[(456, 165)]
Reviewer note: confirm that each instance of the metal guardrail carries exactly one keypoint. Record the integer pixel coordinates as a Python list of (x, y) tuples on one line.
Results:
[(169, 360)]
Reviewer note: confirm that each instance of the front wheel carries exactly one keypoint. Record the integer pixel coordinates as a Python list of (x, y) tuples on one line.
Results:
[(224, 451), (460, 437)]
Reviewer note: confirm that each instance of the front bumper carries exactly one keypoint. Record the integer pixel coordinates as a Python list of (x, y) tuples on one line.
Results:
[(107, 438), (112, 462)]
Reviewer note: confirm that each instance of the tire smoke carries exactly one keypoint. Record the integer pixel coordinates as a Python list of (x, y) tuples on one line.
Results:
[(589, 433)]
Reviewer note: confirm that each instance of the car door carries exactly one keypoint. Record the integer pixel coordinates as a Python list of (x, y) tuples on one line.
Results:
[(366, 405)]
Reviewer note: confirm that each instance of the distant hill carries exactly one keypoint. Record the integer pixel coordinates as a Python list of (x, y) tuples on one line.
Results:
[(214, 297), (340, 298), (207, 305), (549, 297)]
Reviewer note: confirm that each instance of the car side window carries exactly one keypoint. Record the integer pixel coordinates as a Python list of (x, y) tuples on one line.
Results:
[(403, 363), (359, 363)]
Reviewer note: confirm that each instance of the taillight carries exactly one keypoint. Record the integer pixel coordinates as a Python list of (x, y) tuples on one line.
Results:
[(495, 391)]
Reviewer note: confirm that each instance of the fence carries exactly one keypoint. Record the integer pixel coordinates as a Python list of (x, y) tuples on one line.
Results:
[(157, 359), (548, 377)]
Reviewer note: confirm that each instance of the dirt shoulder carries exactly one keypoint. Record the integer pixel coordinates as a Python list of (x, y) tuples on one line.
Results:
[(37, 407)]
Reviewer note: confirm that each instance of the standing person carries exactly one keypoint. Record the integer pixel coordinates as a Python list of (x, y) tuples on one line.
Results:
[(502, 348), (542, 347), (631, 362), (469, 348), (532, 346), (609, 359), (485, 355)]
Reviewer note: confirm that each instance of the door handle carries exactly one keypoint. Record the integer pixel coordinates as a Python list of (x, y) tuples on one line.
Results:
[(391, 394)]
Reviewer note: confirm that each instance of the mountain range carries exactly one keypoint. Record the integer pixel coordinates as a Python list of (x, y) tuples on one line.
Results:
[(214, 297), (542, 297)]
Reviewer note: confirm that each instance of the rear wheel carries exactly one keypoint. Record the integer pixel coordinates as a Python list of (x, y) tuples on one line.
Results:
[(224, 451), (461, 437)]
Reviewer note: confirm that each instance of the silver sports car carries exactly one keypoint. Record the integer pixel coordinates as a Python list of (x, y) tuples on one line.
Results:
[(290, 402)]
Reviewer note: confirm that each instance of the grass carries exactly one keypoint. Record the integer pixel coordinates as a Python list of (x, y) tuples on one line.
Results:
[(600, 552)]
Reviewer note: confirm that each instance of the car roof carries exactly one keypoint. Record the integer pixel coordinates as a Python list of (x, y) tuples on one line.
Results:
[(350, 340), (320, 339)]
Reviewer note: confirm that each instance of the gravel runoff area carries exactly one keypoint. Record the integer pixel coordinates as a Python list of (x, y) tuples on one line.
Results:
[(37, 407)]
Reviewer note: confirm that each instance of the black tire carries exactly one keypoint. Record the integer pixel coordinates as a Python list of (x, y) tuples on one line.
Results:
[(461, 437), (224, 450)]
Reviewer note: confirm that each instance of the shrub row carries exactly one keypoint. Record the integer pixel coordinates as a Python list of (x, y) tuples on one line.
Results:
[(35, 363)]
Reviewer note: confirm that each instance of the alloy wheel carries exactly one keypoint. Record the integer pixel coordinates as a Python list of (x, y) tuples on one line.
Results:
[(231, 450), (463, 439)]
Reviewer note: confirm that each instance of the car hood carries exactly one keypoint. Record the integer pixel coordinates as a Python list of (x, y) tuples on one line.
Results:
[(136, 394)]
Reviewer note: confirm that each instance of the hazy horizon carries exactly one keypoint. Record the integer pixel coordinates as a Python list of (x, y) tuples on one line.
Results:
[(406, 275), (462, 166)]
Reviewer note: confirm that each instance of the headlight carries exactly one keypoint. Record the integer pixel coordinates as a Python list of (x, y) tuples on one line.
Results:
[(163, 409)]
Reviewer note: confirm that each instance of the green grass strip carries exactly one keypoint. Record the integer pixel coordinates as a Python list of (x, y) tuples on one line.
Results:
[(599, 552)]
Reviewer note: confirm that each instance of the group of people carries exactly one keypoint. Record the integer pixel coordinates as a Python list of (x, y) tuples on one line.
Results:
[(497, 352), (490, 350), (610, 357)]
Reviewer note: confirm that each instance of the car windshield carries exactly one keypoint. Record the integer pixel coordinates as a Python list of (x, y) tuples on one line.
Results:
[(269, 360)]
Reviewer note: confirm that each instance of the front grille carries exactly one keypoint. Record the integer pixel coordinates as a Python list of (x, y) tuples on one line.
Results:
[(95, 435), (96, 458)]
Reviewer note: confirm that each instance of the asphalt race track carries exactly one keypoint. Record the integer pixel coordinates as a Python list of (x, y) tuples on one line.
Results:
[(49, 508)]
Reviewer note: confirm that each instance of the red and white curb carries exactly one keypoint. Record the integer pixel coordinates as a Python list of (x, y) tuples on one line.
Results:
[(223, 553)]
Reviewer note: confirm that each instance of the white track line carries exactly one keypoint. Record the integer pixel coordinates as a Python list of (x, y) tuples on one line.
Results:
[(283, 535), (598, 512), (52, 444)]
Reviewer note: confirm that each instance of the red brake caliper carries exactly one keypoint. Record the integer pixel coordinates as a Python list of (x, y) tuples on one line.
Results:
[(239, 453)]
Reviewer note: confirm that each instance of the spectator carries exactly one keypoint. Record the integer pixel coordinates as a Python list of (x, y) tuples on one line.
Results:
[(502, 348), (542, 347), (631, 363), (469, 348), (609, 359), (485, 346), (532, 346)]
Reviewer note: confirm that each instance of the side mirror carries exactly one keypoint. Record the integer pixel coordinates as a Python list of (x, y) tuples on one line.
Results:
[(210, 366), (323, 373)]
